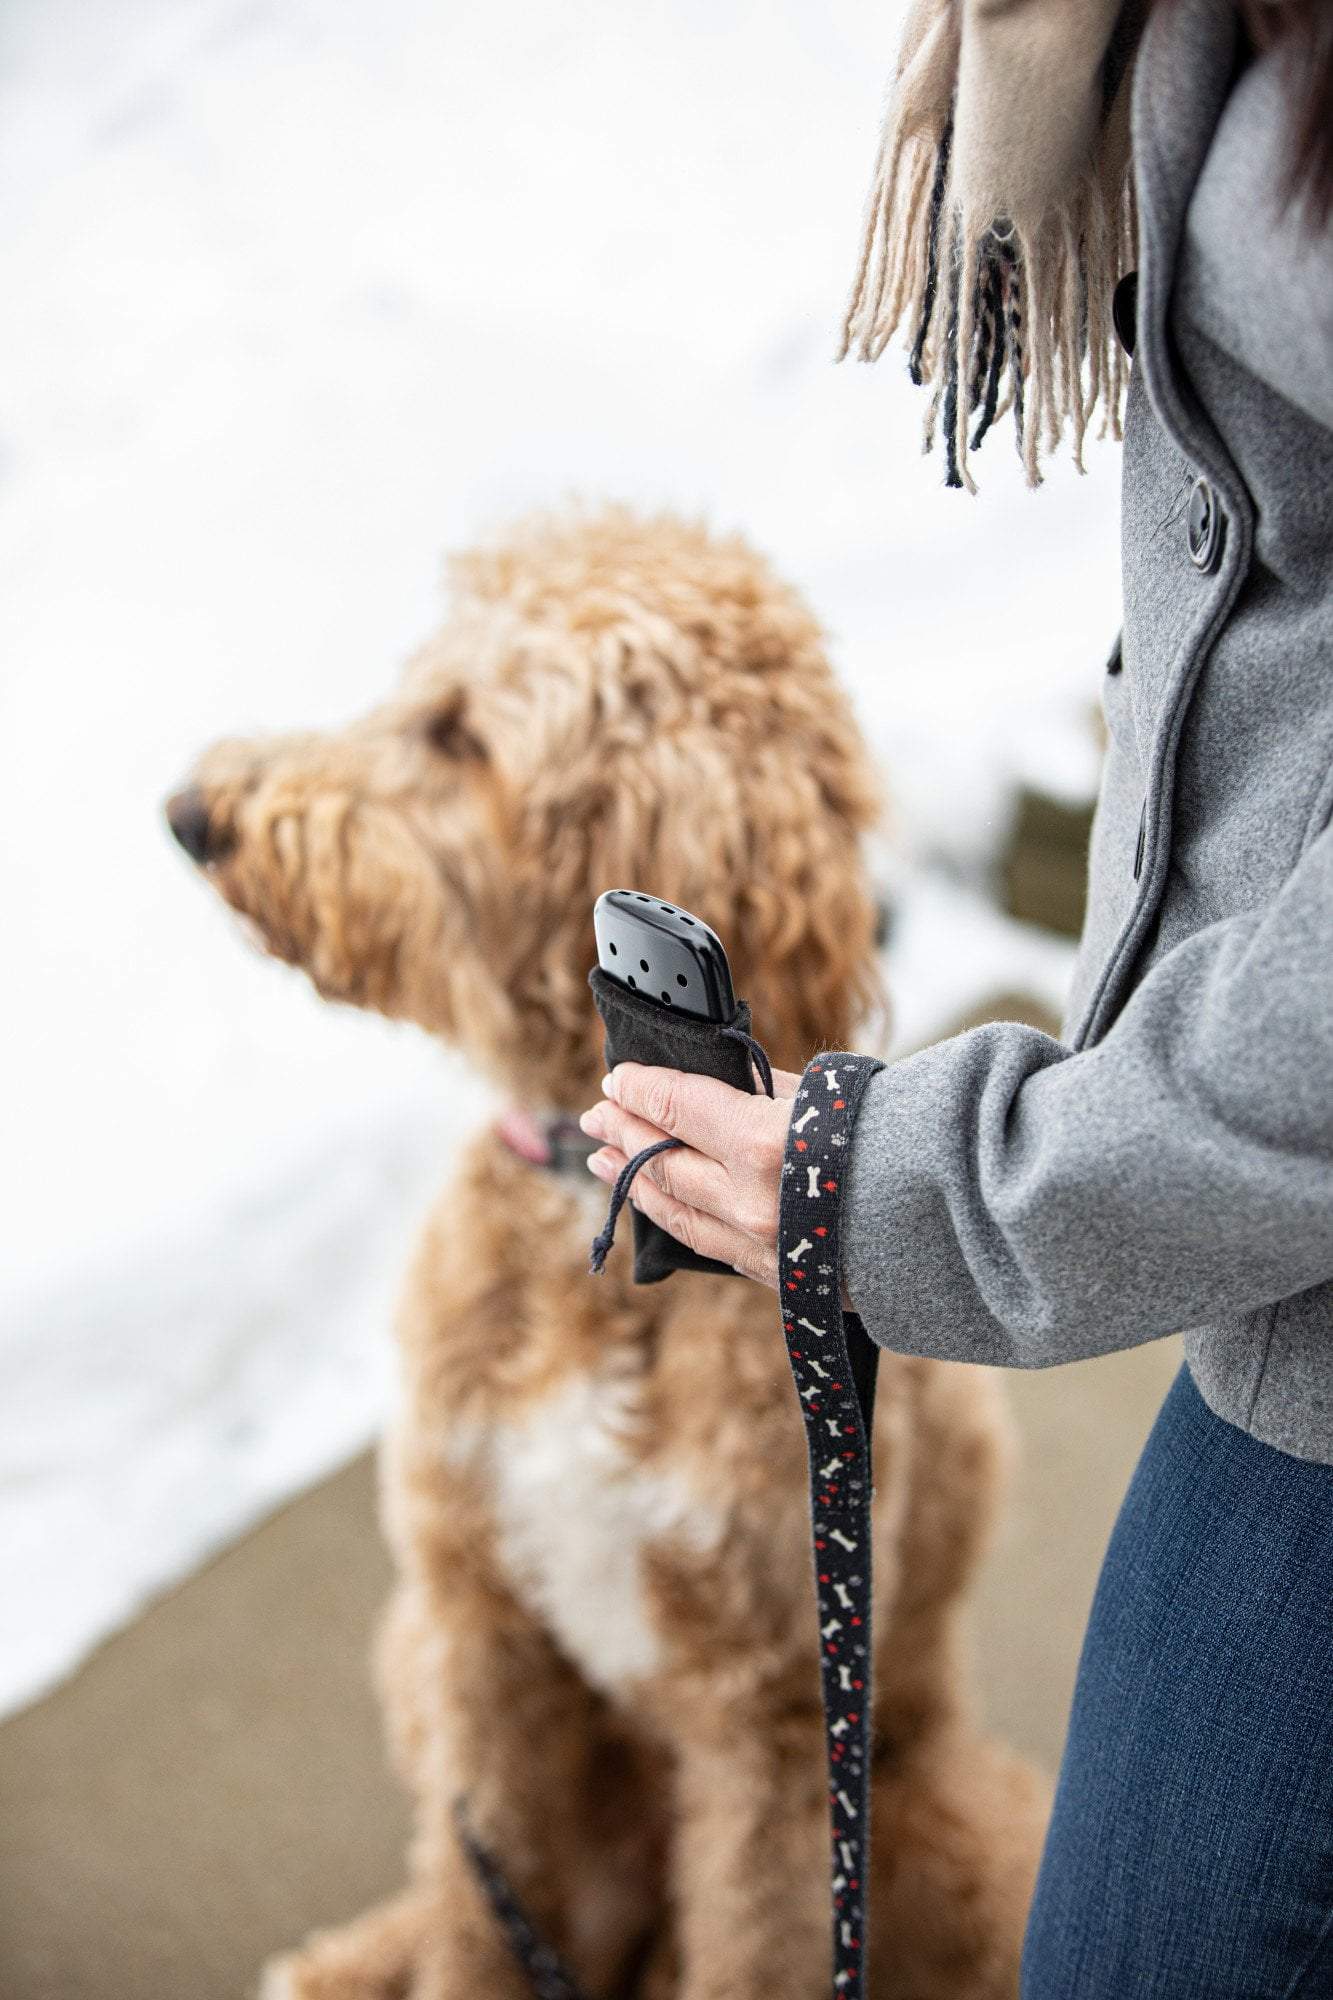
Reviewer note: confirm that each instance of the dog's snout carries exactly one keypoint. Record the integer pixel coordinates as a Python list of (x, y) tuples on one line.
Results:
[(189, 820)]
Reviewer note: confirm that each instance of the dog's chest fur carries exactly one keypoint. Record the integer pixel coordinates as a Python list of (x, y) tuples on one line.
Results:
[(575, 1512)]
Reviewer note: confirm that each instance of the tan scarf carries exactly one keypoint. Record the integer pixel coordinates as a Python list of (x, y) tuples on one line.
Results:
[(1000, 218)]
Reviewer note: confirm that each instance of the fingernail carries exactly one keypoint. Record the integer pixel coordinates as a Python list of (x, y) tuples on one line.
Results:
[(609, 1085), (599, 1164), (589, 1121)]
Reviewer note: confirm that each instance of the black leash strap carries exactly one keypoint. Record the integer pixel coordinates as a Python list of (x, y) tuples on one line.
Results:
[(549, 1977), (834, 1362)]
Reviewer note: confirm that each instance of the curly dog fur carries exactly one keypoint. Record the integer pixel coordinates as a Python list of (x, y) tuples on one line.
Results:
[(593, 1488)]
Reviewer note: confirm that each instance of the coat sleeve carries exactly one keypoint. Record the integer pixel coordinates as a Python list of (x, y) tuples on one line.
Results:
[(1010, 1201)]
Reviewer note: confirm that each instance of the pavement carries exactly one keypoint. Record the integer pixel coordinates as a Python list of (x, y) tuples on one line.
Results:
[(211, 1785)]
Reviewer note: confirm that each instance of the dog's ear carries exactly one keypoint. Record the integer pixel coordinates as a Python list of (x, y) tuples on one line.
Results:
[(808, 795), (749, 806), (767, 848), (805, 914), (451, 732)]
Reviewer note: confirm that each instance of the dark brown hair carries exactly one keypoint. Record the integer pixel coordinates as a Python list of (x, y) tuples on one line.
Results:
[(1302, 31)]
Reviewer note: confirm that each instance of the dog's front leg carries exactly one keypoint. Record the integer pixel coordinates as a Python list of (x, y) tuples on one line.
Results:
[(751, 1858), (521, 1741), (482, 1711)]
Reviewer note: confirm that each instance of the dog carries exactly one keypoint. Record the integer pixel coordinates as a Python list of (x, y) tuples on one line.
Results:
[(603, 1632)]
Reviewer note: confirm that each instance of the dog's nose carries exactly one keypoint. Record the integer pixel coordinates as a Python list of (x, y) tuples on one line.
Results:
[(187, 816)]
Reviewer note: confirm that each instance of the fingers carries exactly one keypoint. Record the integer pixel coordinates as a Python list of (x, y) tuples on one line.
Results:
[(742, 1188), (687, 1177), (718, 1191), (707, 1235), (621, 1128), (701, 1110), (698, 1183)]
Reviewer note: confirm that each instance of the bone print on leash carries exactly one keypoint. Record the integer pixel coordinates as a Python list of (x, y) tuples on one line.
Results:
[(836, 1396)]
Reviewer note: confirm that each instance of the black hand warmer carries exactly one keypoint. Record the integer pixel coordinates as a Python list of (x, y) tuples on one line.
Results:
[(644, 1031)]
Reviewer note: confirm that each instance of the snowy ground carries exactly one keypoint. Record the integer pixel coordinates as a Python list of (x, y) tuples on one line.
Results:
[(297, 294)]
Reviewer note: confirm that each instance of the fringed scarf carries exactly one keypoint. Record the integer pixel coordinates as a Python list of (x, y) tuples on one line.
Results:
[(1000, 218)]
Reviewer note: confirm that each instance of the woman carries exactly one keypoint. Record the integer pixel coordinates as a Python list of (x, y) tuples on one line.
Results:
[(1018, 1200)]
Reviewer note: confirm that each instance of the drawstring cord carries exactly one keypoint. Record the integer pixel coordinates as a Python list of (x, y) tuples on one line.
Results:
[(606, 1235), (758, 1056)]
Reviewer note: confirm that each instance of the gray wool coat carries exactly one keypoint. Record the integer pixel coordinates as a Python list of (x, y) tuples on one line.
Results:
[(1168, 1164)]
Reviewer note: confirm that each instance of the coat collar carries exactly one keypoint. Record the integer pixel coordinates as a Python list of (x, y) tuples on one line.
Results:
[(1186, 66)]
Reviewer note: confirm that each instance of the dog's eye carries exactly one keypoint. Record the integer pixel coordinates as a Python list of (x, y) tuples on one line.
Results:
[(448, 732)]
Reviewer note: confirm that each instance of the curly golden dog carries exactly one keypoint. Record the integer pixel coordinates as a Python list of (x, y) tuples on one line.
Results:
[(593, 1488)]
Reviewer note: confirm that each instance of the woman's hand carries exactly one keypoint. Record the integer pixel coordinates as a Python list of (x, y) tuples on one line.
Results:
[(719, 1192)]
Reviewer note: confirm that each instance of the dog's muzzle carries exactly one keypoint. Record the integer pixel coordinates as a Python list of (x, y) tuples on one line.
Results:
[(192, 825)]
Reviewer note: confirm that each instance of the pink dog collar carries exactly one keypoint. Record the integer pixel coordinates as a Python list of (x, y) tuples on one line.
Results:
[(555, 1142)]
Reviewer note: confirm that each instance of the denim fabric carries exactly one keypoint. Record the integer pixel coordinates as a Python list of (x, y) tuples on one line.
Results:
[(1191, 1848)]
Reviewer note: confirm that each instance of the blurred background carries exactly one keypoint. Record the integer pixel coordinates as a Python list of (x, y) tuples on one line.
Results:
[(300, 293)]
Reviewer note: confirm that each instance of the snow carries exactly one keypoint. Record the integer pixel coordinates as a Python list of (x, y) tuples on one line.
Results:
[(299, 293)]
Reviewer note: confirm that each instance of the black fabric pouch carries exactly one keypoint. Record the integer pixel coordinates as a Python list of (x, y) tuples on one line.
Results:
[(642, 1030)]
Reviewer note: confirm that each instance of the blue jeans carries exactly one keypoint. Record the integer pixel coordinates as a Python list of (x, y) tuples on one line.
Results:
[(1191, 1849)]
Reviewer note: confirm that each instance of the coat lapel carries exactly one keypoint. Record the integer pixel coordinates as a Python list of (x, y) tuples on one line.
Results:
[(1185, 70)]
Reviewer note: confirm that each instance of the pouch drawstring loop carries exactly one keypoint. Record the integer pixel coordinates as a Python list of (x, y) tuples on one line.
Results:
[(758, 1056), (606, 1235)]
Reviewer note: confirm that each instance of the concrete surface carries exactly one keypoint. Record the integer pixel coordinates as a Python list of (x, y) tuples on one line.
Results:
[(211, 1785)]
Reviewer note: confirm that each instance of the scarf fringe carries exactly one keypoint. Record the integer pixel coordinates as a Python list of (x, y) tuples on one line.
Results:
[(1001, 321)]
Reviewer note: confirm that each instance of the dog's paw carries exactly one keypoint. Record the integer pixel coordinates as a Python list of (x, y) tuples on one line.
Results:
[(278, 1980), (371, 1959), (315, 1975)]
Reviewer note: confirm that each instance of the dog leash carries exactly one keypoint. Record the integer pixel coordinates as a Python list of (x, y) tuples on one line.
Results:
[(548, 1975), (834, 1364)]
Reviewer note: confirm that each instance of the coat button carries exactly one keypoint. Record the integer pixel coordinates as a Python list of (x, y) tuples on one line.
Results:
[(1204, 527), (1125, 310)]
